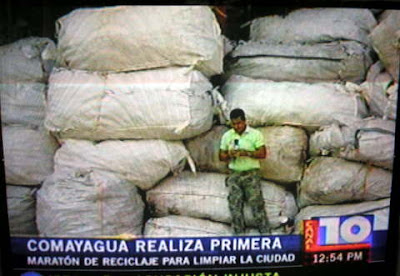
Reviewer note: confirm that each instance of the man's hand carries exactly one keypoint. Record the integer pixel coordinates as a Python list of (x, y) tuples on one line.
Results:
[(234, 153), (231, 154), (224, 156), (245, 153)]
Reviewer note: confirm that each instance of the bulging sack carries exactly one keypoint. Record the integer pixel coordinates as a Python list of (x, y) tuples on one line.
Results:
[(23, 103), (131, 38), (28, 154), (370, 141), (27, 60), (204, 196), (292, 103), (21, 207), (141, 162), (88, 203), (315, 26), (204, 149), (181, 226), (380, 92), (325, 62), (329, 180), (379, 209), (286, 152), (385, 39), (169, 104)]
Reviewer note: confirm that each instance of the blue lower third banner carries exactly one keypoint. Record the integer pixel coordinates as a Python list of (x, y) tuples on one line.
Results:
[(147, 254)]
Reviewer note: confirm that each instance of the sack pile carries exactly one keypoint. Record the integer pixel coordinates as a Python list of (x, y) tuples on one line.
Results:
[(132, 104), (293, 48), (28, 147), (357, 142), (122, 98), (205, 196), (327, 82), (367, 145), (144, 80), (381, 86)]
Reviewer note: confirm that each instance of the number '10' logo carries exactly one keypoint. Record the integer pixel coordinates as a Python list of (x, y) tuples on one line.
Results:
[(345, 230)]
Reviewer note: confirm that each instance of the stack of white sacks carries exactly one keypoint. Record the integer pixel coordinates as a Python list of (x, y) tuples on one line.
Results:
[(305, 70), (131, 103), (370, 142), (131, 83), (28, 146)]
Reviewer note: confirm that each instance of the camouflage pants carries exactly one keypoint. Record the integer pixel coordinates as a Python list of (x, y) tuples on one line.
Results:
[(246, 187)]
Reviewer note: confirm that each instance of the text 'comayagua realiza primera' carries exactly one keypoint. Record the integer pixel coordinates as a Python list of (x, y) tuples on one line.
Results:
[(155, 245)]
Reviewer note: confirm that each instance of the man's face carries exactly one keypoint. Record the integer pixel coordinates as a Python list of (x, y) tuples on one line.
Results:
[(238, 125)]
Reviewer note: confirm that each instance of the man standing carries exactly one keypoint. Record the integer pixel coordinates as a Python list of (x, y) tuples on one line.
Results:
[(243, 147)]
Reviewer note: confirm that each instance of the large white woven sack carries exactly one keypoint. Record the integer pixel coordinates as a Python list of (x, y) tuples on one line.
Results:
[(380, 92), (293, 103), (335, 61), (204, 195), (286, 152), (379, 208), (28, 154), (204, 149), (126, 38), (370, 141), (27, 60), (21, 210), (142, 162), (83, 203), (315, 26), (329, 180), (23, 103), (169, 104), (181, 226), (385, 39)]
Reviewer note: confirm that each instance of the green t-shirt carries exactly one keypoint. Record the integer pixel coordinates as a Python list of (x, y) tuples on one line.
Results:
[(250, 140)]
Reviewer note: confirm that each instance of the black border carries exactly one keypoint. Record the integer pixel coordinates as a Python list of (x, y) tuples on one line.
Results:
[(56, 8)]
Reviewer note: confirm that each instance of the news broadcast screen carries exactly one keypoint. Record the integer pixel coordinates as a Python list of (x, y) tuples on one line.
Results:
[(199, 140)]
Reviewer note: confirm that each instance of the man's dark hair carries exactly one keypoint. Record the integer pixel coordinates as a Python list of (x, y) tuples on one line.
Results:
[(237, 113)]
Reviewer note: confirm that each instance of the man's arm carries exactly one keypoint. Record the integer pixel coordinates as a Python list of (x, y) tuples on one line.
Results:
[(223, 155), (260, 153), (226, 155)]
